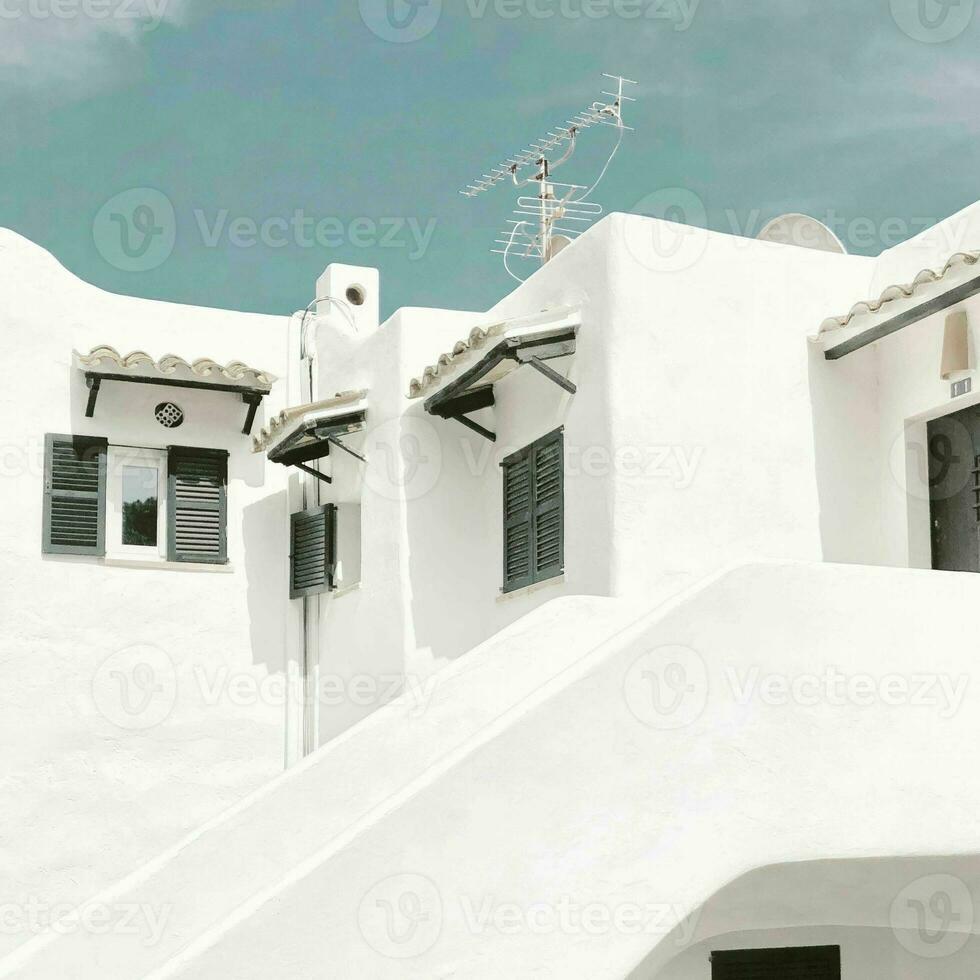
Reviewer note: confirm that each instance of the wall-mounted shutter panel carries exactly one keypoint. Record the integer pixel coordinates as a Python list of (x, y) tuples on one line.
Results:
[(534, 513), (549, 518), (313, 551), (517, 524), (74, 495), (197, 505), (804, 963)]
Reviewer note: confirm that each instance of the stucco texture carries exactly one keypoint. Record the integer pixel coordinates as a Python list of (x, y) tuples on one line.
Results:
[(92, 785), (569, 777)]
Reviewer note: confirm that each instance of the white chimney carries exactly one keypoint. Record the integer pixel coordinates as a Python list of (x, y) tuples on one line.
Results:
[(357, 290)]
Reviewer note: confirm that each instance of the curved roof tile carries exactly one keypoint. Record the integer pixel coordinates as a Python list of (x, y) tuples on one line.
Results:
[(278, 424), (892, 293), (476, 339), (139, 363)]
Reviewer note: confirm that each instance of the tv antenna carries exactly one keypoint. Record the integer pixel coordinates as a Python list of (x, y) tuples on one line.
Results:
[(548, 221)]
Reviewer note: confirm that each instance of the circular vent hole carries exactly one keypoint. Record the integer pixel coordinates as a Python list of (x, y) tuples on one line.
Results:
[(356, 295), (169, 415)]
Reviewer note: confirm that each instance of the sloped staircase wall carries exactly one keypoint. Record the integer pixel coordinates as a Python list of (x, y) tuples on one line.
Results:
[(580, 764)]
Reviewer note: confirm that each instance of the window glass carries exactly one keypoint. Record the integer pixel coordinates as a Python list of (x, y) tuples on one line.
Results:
[(139, 505)]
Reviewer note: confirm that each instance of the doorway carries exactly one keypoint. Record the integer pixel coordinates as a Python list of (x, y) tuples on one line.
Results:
[(954, 490), (805, 963)]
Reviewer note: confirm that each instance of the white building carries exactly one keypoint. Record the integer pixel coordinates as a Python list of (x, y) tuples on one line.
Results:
[(647, 550)]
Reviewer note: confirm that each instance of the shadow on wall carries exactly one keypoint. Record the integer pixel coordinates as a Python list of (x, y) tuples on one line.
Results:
[(846, 424), (455, 526), (894, 918), (453, 550), (265, 538)]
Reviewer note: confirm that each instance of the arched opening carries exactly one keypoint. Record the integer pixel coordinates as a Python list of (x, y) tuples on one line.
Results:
[(909, 918)]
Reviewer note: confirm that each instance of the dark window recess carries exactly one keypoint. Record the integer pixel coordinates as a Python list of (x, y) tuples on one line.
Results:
[(976, 488), (197, 505), (312, 551), (798, 963), (534, 513), (74, 495), (953, 454)]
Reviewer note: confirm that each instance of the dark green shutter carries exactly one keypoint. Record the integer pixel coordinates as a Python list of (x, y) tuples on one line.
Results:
[(549, 517), (313, 551), (74, 495), (534, 513), (197, 505), (517, 523), (790, 963)]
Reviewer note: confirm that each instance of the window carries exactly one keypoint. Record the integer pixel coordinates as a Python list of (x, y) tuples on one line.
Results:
[(534, 513), (150, 504), (140, 505), (135, 522), (802, 963), (197, 505), (313, 551), (74, 495)]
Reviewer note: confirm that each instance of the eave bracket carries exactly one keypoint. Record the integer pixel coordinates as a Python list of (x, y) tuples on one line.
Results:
[(334, 441), (309, 469), (552, 375), (475, 427), (468, 401)]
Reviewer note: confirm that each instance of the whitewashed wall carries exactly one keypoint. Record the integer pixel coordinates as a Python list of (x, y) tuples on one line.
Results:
[(871, 408), (887, 914), (705, 430), (92, 790), (706, 358), (366, 640), (430, 495), (710, 365), (589, 793), (689, 444), (866, 954), (544, 773)]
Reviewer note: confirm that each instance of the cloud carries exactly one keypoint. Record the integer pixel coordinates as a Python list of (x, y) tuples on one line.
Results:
[(72, 48), (57, 51)]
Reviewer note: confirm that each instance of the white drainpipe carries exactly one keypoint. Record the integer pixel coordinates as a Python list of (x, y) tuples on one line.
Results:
[(311, 491)]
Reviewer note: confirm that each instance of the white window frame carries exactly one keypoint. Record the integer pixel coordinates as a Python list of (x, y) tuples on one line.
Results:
[(119, 457)]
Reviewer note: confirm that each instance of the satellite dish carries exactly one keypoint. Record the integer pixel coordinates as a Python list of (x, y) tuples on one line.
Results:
[(803, 231), (558, 244)]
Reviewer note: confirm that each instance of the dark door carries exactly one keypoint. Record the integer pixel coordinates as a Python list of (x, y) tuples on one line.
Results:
[(954, 491), (796, 963)]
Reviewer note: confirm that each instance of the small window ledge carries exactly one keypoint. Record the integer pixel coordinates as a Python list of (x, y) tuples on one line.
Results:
[(531, 589), (168, 566)]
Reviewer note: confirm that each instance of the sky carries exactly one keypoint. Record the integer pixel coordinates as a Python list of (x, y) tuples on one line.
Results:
[(223, 152)]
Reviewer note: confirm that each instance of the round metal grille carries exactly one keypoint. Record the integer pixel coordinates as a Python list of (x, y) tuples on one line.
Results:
[(169, 415)]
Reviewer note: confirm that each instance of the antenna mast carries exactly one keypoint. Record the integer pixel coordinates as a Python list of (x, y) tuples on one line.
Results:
[(547, 221)]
